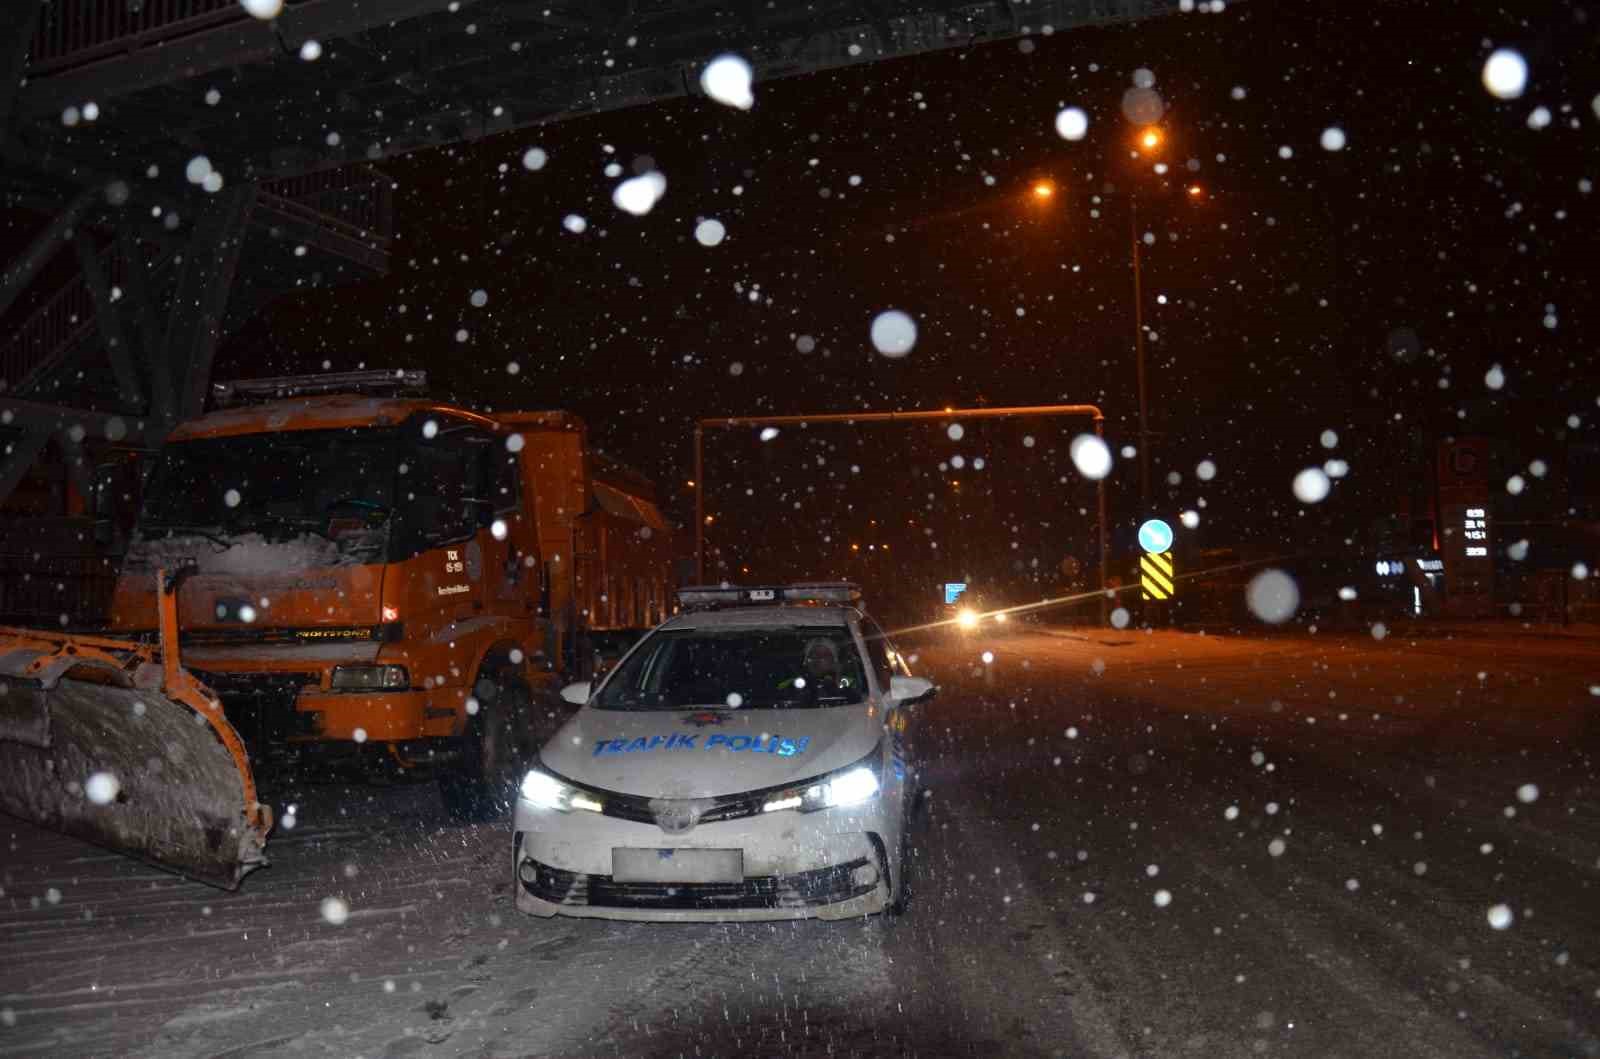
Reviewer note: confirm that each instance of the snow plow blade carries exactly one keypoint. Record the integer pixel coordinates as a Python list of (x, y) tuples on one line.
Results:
[(112, 742)]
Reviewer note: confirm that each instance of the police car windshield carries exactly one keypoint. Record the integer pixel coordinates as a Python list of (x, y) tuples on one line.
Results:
[(792, 667)]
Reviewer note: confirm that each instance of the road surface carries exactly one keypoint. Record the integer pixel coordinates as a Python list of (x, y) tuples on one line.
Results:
[(1134, 844)]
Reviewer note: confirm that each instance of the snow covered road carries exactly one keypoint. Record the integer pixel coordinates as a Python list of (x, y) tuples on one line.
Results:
[(1134, 845)]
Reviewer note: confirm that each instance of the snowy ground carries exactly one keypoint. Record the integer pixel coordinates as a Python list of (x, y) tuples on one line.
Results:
[(1098, 876)]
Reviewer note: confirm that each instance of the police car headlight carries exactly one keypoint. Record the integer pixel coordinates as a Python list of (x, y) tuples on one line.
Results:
[(547, 792), (849, 788), (851, 785)]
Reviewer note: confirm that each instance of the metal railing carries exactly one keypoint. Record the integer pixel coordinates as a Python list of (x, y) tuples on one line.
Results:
[(358, 200), (74, 32)]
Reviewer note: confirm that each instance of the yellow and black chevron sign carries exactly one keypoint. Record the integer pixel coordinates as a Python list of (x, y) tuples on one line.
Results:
[(1156, 577)]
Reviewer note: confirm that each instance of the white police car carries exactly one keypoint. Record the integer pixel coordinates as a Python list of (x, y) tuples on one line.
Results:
[(747, 759)]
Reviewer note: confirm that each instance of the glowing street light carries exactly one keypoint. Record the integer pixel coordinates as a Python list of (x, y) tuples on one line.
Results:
[(1150, 139), (1195, 191), (1043, 190)]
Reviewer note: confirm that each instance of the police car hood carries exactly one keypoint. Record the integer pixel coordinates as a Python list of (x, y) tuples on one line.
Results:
[(709, 752)]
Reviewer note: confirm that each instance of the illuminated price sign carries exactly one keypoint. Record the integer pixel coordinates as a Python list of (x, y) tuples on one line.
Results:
[(1475, 530)]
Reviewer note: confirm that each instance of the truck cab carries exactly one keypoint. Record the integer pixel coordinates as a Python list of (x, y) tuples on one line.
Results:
[(388, 584)]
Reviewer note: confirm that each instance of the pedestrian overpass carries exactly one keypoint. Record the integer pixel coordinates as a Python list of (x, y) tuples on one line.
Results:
[(186, 160)]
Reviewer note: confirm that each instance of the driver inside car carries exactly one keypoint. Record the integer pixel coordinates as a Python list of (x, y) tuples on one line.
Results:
[(821, 668)]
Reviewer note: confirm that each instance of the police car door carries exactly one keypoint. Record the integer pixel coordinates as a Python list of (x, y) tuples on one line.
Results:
[(899, 719)]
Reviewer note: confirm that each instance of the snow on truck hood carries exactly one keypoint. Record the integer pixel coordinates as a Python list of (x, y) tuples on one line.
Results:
[(708, 752)]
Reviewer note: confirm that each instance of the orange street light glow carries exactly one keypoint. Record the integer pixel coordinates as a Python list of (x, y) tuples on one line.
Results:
[(1151, 138), (1043, 189), (1195, 191)]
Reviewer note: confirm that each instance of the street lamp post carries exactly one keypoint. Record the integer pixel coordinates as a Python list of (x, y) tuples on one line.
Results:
[(1138, 347)]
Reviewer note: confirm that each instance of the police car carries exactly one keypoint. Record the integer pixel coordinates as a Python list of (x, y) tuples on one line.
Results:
[(747, 759)]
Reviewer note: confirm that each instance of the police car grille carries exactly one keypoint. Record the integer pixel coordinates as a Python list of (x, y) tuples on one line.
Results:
[(733, 807), (805, 889)]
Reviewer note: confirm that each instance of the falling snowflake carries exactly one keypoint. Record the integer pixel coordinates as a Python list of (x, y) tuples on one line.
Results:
[(894, 333), (102, 788), (726, 79), (709, 232), (640, 194), (1072, 123), (1505, 74), (1091, 456), (1273, 596)]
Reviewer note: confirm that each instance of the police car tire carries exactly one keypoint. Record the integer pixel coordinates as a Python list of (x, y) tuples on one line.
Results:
[(905, 889), (482, 790)]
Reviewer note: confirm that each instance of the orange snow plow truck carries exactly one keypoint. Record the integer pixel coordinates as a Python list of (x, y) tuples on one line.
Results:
[(325, 575)]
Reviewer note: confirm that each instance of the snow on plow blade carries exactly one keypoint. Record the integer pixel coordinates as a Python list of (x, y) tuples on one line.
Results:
[(110, 741)]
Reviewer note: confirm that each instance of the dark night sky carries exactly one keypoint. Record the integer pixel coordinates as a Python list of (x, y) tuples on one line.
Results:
[(1292, 290)]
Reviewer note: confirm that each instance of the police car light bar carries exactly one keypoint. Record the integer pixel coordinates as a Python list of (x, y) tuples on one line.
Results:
[(708, 596)]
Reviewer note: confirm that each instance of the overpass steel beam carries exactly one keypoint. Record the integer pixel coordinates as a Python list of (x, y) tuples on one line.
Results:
[(38, 417), (244, 41), (15, 279)]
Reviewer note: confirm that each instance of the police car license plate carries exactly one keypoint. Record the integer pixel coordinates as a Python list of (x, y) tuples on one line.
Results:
[(677, 865)]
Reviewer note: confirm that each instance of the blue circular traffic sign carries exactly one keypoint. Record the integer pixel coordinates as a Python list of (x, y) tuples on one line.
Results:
[(1155, 536)]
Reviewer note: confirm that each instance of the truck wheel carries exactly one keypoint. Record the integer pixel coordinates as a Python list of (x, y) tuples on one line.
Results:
[(484, 786)]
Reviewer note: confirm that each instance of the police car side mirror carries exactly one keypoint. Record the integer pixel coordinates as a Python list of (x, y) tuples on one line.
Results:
[(577, 694), (908, 691)]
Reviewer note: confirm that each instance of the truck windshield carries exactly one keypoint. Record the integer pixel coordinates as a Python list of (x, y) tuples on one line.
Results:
[(332, 483), (747, 668)]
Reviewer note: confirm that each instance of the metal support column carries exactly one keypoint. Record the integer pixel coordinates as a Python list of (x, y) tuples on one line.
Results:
[(1105, 537), (71, 444), (108, 322), (699, 505), (14, 45), (200, 303), (1138, 346), (17, 458), (145, 334)]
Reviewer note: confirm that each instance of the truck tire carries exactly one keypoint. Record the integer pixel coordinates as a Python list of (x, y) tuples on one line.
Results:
[(484, 786)]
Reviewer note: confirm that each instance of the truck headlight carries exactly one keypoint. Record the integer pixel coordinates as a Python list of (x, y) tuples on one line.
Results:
[(547, 792), (851, 785), (370, 678)]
